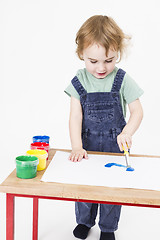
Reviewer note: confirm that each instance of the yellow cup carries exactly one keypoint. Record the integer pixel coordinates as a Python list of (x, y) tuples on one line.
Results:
[(41, 155)]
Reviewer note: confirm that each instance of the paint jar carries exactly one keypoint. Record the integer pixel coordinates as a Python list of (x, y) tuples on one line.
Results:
[(26, 166), (41, 139), (41, 146), (41, 155)]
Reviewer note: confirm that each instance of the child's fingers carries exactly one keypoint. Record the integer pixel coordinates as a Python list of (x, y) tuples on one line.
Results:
[(129, 143), (119, 143), (71, 157), (124, 141), (80, 157), (77, 156), (120, 146), (85, 155)]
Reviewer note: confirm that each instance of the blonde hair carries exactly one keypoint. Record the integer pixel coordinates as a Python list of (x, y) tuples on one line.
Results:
[(102, 30)]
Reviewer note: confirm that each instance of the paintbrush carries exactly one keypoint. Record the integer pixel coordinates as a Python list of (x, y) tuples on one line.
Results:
[(126, 154)]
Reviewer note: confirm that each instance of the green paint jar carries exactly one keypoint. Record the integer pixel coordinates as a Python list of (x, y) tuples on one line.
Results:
[(26, 166)]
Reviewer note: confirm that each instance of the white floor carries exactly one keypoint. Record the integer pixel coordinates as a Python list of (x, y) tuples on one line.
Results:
[(57, 220)]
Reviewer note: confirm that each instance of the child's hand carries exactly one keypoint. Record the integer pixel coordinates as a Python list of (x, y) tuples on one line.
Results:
[(125, 140), (77, 155)]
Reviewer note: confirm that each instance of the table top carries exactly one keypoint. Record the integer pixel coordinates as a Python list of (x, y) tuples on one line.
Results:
[(35, 187)]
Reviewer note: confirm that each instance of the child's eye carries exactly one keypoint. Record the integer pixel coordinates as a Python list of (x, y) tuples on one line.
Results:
[(93, 61), (108, 61)]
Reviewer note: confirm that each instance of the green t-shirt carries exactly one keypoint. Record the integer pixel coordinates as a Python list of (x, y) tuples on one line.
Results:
[(129, 91)]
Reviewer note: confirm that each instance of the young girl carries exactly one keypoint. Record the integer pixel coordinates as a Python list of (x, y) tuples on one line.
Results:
[(99, 94)]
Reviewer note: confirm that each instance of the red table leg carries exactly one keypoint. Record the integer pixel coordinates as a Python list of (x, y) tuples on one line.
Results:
[(35, 218), (9, 216)]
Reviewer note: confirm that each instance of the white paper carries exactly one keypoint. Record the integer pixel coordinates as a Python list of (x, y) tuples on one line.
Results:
[(93, 171)]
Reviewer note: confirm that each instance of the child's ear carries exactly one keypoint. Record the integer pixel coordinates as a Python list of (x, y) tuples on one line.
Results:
[(118, 57), (81, 56)]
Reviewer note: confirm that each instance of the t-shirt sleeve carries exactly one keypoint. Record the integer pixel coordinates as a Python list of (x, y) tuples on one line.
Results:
[(71, 91), (130, 89)]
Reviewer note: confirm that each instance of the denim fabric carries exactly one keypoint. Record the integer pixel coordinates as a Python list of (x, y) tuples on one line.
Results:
[(102, 121)]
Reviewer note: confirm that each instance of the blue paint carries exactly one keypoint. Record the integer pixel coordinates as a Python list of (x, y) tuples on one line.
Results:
[(42, 138), (119, 165), (114, 164), (131, 169)]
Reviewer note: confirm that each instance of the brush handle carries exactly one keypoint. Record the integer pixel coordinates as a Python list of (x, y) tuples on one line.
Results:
[(125, 152)]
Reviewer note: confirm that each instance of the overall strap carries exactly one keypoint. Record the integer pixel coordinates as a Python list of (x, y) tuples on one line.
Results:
[(78, 86), (118, 80)]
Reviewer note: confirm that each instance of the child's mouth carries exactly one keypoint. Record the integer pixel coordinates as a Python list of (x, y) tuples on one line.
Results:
[(101, 74)]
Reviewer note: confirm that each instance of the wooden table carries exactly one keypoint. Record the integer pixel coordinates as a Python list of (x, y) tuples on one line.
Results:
[(35, 189)]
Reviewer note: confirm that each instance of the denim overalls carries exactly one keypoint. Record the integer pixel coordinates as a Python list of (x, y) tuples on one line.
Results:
[(102, 121)]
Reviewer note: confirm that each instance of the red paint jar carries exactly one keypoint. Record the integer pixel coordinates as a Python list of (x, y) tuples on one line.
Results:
[(41, 146)]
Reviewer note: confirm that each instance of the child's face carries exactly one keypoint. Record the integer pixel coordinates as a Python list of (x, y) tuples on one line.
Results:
[(96, 61)]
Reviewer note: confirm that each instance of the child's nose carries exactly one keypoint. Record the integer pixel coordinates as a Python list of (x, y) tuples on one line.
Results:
[(101, 68)]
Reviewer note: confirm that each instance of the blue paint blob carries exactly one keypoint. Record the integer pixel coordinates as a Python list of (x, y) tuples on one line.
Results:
[(130, 169), (114, 164), (109, 165)]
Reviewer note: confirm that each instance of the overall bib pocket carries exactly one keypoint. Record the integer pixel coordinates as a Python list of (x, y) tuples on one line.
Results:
[(100, 112)]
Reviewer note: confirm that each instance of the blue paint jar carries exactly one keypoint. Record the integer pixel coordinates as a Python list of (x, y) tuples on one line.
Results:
[(43, 138)]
